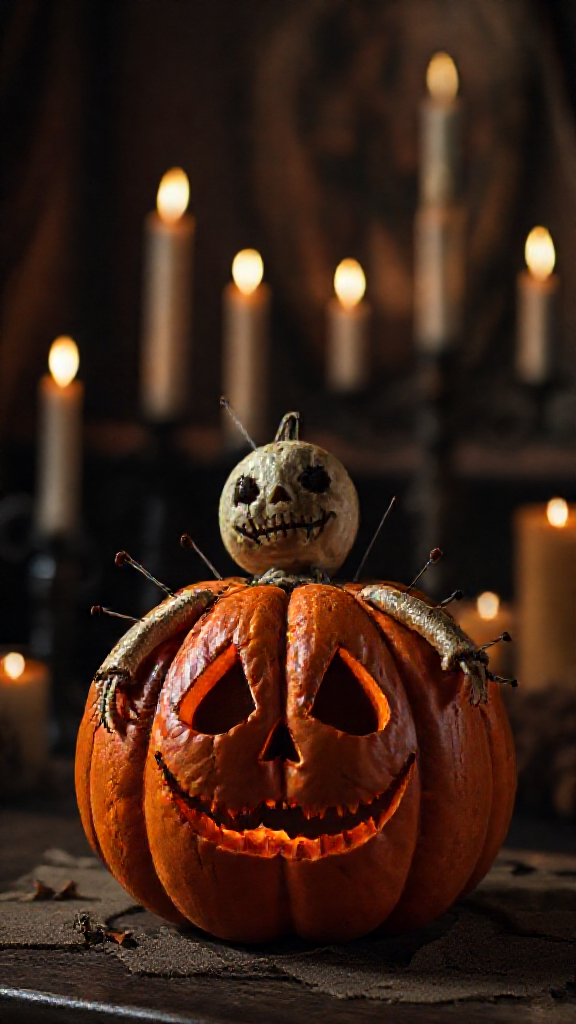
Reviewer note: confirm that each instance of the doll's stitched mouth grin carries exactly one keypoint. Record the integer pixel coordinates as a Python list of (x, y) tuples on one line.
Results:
[(279, 525), (288, 830)]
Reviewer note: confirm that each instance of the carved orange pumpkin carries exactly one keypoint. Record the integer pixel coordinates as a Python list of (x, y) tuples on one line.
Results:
[(299, 762)]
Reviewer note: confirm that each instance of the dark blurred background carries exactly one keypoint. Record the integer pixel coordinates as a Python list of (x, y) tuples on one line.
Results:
[(297, 126)]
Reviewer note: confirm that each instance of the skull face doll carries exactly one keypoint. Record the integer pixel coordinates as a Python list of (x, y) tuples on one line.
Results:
[(253, 751), (289, 505)]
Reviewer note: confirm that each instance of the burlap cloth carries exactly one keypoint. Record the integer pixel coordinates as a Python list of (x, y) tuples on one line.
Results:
[(515, 937)]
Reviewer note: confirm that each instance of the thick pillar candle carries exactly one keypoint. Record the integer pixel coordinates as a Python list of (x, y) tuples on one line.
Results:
[(439, 243), (61, 399), (537, 291), (245, 355), (545, 559), (348, 343), (23, 722), (167, 316)]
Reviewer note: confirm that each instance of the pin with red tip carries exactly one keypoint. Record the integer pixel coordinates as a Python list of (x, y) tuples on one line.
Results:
[(98, 609), (187, 542), (435, 556), (123, 558)]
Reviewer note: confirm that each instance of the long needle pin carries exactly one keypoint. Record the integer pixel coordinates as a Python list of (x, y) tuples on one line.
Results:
[(187, 542), (374, 539), (503, 636), (98, 609), (457, 595), (226, 405), (123, 558), (435, 556)]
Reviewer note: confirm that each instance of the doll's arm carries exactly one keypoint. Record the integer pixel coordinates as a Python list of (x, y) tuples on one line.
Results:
[(179, 611), (437, 627)]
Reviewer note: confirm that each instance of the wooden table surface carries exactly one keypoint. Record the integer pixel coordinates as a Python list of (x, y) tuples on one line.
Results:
[(86, 985)]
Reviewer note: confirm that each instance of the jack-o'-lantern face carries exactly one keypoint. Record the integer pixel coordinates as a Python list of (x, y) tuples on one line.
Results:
[(289, 505), (283, 737)]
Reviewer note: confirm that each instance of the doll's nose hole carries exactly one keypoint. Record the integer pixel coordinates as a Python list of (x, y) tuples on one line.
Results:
[(279, 494)]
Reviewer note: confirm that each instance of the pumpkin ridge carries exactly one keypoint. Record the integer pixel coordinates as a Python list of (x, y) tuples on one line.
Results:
[(472, 795)]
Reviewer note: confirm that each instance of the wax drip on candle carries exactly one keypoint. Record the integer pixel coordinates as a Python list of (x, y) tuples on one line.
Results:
[(349, 283), (63, 360), (247, 270), (540, 253), (488, 605), (442, 78), (557, 512), (173, 195), (13, 665)]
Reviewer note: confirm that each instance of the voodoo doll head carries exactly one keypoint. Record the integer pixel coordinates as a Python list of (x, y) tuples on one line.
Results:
[(289, 505)]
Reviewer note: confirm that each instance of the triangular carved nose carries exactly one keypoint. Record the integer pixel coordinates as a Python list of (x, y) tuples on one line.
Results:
[(280, 744), (279, 494)]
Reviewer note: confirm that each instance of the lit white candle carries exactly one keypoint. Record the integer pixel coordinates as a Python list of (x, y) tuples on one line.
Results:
[(440, 130), (167, 317), (347, 351), (439, 244), (23, 721), (245, 355), (546, 594), (537, 292), (61, 399), (483, 620)]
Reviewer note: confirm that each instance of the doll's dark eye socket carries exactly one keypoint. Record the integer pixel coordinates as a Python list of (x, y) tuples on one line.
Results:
[(246, 490), (315, 479)]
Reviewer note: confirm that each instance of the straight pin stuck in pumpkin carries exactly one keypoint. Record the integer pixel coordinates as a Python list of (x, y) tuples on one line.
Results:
[(267, 778)]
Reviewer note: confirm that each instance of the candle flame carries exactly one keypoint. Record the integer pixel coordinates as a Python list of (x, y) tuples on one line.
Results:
[(173, 195), (349, 283), (488, 605), (540, 253), (442, 78), (13, 665), (557, 512), (63, 360), (247, 270)]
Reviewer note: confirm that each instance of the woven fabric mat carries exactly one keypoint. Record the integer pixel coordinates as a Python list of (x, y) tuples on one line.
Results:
[(515, 937)]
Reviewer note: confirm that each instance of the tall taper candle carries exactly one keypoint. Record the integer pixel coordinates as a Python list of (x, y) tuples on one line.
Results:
[(245, 356), (167, 318), (536, 309), (439, 245), (61, 400), (546, 594), (347, 349)]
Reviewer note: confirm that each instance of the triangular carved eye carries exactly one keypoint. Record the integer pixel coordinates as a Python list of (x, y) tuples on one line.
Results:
[(220, 698), (349, 699)]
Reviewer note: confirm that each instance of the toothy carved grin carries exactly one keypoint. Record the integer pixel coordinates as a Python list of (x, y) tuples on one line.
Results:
[(271, 527), (289, 830)]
